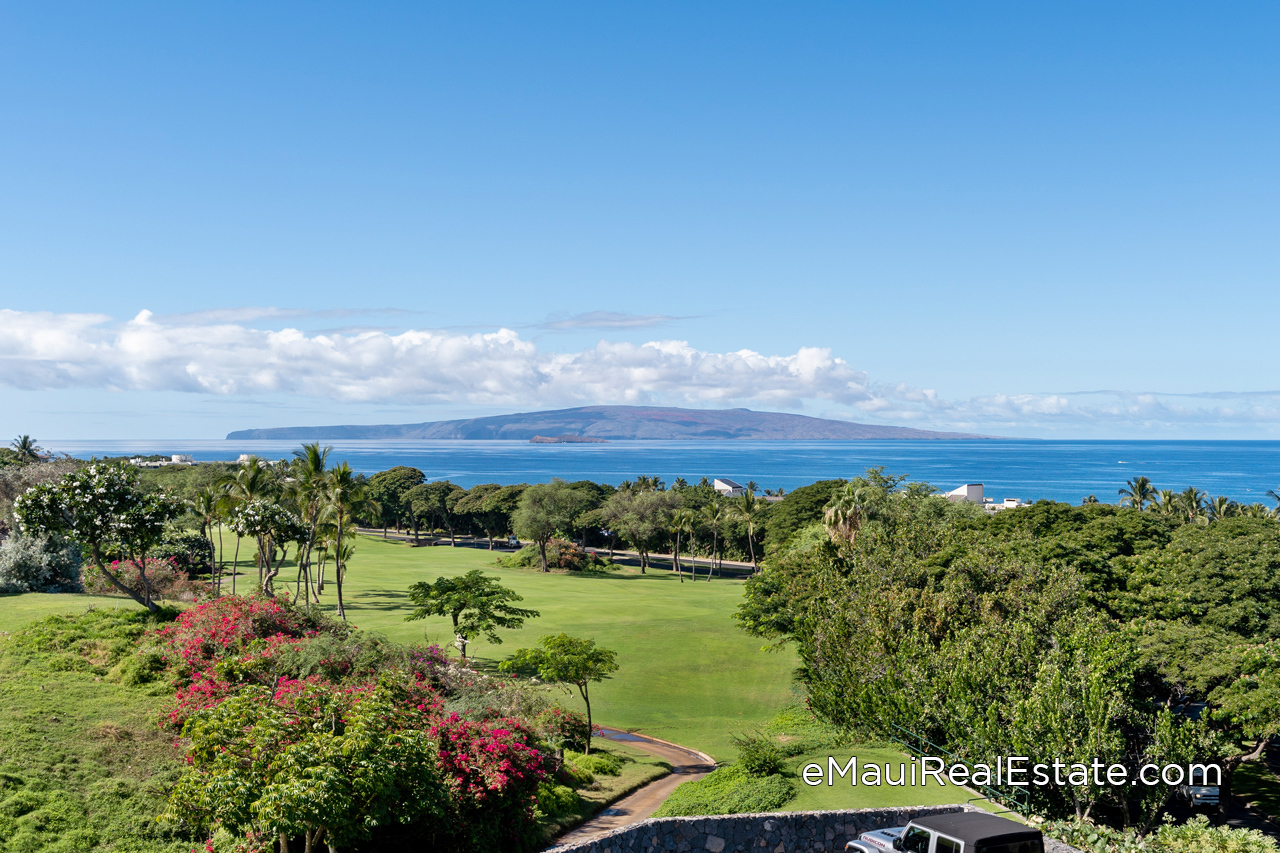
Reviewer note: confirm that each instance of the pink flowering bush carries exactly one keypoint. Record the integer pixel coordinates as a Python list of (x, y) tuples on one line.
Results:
[(492, 770), (167, 580)]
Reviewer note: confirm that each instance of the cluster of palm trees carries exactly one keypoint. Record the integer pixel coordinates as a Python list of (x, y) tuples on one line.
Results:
[(1191, 505), (687, 522), (306, 504)]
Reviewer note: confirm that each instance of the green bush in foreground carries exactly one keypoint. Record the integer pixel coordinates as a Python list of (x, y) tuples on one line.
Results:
[(729, 790), (1195, 836)]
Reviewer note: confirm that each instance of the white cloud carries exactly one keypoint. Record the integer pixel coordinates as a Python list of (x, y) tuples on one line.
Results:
[(44, 350)]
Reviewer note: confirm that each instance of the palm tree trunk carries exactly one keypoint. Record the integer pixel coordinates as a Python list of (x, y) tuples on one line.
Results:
[(337, 567), (235, 562)]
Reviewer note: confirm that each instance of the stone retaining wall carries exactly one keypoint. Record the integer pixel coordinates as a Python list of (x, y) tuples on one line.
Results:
[(782, 832)]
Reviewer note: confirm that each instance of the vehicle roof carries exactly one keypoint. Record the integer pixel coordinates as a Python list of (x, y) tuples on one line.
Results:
[(972, 827)]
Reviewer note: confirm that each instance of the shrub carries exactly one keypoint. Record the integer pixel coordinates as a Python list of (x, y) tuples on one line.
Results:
[(1194, 836), (561, 554), (729, 790), (164, 578), (562, 728), (597, 763), (758, 756), (190, 553), (38, 564), (556, 800)]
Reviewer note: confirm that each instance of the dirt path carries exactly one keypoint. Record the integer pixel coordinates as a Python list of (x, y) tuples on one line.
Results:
[(688, 764)]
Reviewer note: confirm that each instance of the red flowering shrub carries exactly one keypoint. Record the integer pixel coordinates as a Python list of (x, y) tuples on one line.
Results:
[(562, 728), (166, 579), (492, 771), (224, 627)]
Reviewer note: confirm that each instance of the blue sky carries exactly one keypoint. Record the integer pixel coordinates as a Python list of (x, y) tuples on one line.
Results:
[(1008, 218)]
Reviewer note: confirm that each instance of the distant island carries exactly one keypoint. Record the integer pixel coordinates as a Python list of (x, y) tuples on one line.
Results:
[(567, 439), (614, 423)]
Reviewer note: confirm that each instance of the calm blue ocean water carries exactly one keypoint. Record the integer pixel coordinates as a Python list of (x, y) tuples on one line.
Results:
[(1057, 470)]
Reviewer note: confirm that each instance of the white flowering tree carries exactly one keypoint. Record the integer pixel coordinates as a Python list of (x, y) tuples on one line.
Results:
[(272, 527), (101, 507)]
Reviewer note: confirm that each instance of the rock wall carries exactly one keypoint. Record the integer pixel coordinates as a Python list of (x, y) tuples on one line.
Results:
[(781, 832), (765, 833)]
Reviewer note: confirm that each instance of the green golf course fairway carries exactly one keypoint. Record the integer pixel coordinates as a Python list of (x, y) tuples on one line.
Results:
[(687, 673)]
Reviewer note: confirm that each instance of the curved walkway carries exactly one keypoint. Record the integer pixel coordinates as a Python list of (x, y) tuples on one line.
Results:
[(688, 764)]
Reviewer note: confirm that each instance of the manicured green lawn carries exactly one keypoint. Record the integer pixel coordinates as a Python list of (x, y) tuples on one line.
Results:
[(687, 672), (19, 610)]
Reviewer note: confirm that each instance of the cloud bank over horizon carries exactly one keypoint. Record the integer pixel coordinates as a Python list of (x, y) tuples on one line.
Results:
[(220, 354)]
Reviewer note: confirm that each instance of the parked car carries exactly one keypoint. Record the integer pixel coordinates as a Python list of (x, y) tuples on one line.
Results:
[(959, 832), (1197, 793)]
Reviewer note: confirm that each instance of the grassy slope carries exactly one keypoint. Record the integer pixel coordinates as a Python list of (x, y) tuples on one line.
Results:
[(688, 674)]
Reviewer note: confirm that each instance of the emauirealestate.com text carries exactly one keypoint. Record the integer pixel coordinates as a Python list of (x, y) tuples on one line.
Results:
[(1016, 770)]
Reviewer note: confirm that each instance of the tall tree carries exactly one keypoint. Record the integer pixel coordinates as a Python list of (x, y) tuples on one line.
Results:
[(390, 489), (345, 498), (308, 488), (475, 603), (748, 508), (25, 448), (1138, 494), (561, 659), (713, 516), (640, 516), (545, 510), (438, 503), (683, 521)]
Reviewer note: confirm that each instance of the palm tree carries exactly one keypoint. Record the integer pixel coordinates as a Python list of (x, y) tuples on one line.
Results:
[(207, 507), (1255, 510), (25, 447), (1139, 494), (345, 497), (1191, 504), (1166, 503), (1222, 507), (847, 510), (713, 516), (1274, 494), (683, 521), (747, 508), (307, 487)]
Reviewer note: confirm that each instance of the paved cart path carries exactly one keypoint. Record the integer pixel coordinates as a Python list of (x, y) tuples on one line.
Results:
[(688, 764)]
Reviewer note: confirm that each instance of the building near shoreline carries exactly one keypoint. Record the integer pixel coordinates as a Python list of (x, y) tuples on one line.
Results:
[(973, 493)]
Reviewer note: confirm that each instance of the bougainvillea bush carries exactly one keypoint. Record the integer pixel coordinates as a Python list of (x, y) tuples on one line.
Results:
[(302, 729), (168, 582)]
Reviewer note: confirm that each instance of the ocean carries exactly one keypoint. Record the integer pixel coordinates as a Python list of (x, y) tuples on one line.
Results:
[(1023, 469)]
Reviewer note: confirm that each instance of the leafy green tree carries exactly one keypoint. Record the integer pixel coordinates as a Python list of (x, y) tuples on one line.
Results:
[(547, 509), (470, 506), (437, 502), (640, 516), (327, 766), (1138, 494), (561, 659), (475, 603), (1221, 507), (390, 488), (101, 507), (797, 510)]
